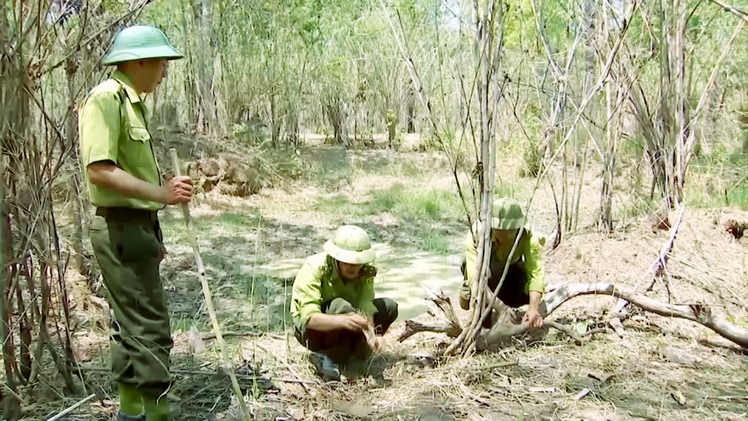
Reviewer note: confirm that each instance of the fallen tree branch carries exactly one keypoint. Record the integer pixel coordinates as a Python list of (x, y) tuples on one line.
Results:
[(412, 327), (210, 336), (502, 332), (699, 313)]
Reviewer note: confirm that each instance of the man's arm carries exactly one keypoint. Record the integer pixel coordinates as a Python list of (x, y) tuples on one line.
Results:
[(327, 322), (111, 177), (471, 256), (535, 282)]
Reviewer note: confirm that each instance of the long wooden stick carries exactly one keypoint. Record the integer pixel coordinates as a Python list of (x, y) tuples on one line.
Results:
[(72, 408), (208, 296), (208, 374)]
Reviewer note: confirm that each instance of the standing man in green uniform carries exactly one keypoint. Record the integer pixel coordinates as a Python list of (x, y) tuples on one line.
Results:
[(524, 282), (332, 302), (124, 183)]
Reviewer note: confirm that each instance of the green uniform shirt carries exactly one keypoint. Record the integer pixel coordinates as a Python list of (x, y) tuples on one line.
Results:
[(113, 127), (318, 281), (528, 249)]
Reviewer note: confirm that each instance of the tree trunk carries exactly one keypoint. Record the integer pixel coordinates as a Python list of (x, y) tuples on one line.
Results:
[(487, 50), (410, 108), (336, 115), (609, 153), (207, 122), (275, 121), (14, 118), (681, 110), (75, 182)]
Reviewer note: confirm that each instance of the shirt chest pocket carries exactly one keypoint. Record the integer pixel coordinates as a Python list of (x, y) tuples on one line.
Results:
[(136, 146)]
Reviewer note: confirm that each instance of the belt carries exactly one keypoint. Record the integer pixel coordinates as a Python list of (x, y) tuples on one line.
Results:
[(128, 214)]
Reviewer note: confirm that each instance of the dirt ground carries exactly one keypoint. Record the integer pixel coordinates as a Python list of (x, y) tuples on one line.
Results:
[(661, 369)]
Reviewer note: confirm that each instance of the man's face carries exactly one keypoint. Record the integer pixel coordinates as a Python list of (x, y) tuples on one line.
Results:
[(348, 271), (153, 72), (504, 236)]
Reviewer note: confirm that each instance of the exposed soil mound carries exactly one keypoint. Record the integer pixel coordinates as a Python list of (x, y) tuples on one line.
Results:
[(230, 176)]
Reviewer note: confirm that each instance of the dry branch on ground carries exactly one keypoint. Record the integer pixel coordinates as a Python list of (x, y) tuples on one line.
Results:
[(500, 333)]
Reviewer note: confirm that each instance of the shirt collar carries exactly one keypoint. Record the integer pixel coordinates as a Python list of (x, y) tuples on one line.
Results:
[(132, 94)]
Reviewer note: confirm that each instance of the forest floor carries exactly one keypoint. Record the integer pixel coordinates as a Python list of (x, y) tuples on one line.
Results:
[(660, 369)]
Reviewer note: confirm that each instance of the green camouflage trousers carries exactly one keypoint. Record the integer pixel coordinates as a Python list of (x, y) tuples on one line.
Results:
[(128, 246)]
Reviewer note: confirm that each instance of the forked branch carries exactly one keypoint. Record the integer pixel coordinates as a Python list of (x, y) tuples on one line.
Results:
[(501, 332)]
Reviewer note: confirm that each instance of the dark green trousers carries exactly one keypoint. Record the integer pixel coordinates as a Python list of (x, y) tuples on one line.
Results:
[(342, 344), (128, 247)]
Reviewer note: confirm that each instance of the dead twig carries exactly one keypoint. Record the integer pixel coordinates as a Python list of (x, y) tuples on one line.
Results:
[(732, 9), (659, 264), (209, 336), (452, 328), (499, 365), (617, 326), (73, 407), (209, 374), (699, 313)]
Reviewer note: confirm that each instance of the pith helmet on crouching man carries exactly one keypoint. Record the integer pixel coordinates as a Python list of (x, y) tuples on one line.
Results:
[(351, 245), (507, 214), (333, 304)]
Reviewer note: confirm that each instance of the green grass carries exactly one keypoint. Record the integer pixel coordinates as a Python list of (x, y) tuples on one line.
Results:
[(738, 195), (434, 243), (413, 206), (430, 205), (637, 206), (708, 190), (248, 300), (505, 188)]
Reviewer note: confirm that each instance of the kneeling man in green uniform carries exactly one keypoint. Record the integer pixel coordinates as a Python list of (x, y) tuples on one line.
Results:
[(524, 284), (333, 302)]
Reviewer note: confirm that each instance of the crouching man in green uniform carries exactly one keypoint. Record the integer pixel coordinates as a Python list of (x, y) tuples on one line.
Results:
[(524, 282), (333, 302), (125, 184)]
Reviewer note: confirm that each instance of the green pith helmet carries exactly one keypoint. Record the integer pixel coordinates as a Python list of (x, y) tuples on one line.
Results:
[(140, 42), (350, 244), (507, 214)]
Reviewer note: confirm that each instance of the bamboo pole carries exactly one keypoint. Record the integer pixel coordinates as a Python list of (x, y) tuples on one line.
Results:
[(77, 405), (207, 294)]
